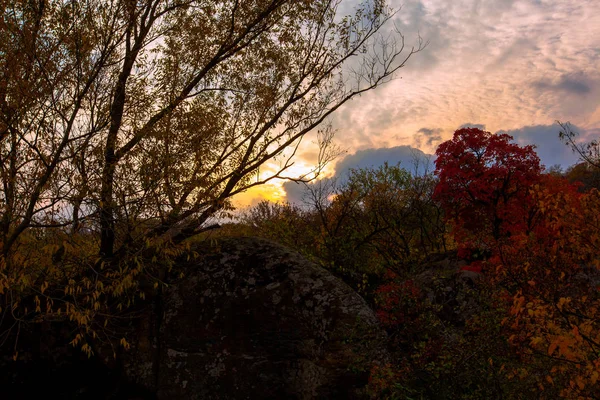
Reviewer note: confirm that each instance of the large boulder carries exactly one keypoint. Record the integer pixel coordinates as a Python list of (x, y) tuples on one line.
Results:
[(250, 319)]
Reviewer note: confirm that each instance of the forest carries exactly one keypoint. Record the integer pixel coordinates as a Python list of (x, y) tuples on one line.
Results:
[(522, 320), (127, 128)]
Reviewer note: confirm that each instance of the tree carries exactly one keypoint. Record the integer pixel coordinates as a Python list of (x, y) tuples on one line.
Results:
[(375, 220), (118, 110), (394, 210), (589, 152), (484, 180), (584, 174), (125, 125), (588, 170), (552, 275)]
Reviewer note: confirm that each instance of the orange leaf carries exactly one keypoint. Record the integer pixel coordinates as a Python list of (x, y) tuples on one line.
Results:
[(552, 348)]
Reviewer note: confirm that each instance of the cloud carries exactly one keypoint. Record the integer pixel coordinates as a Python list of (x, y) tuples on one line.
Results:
[(295, 192), (545, 137), (408, 157), (375, 157), (577, 84), (415, 20), (428, 137), (508, 63), (471, 125), (548, 146), (519, 48)]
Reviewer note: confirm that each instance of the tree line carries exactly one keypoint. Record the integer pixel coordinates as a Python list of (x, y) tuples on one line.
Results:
[(485, 271)]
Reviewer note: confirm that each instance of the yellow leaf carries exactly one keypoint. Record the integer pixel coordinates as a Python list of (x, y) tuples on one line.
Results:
[(562, 301), (536, 340)]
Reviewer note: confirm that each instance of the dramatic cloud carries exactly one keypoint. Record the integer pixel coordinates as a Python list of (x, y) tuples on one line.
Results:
[(408, 157), (426, 137), (296, 192), (506, 64), (511, 65), (577, 84), (548, 146)]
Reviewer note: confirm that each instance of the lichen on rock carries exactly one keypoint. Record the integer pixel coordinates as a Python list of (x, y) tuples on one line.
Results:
[(253, 319)]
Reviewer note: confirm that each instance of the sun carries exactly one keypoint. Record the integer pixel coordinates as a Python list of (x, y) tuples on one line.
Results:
[(273, 190)]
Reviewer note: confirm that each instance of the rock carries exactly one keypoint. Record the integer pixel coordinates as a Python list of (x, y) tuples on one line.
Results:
[(447, 284), (251, 319)]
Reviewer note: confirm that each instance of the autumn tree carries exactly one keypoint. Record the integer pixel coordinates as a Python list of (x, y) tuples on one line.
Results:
[(484, 180), (286, 223), (372, 221), (552, 273), (542, 236), (125, 125), (390, 210), (584, 174)]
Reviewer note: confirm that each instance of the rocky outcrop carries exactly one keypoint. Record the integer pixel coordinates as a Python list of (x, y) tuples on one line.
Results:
[(449, 283), (250, 319)]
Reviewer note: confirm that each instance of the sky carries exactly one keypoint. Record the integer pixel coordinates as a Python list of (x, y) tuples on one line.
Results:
[(500, 65)]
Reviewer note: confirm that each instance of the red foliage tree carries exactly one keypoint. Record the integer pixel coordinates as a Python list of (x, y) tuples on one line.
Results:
[(484, 180)]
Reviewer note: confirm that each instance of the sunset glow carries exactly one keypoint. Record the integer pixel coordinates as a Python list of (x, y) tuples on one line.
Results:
[(514, 66)]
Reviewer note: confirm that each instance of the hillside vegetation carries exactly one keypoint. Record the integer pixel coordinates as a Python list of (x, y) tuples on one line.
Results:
[(486, 274)]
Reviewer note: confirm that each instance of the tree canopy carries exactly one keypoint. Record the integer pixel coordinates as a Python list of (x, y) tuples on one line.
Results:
[(116, 110), (124, 123), (484, 180)]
